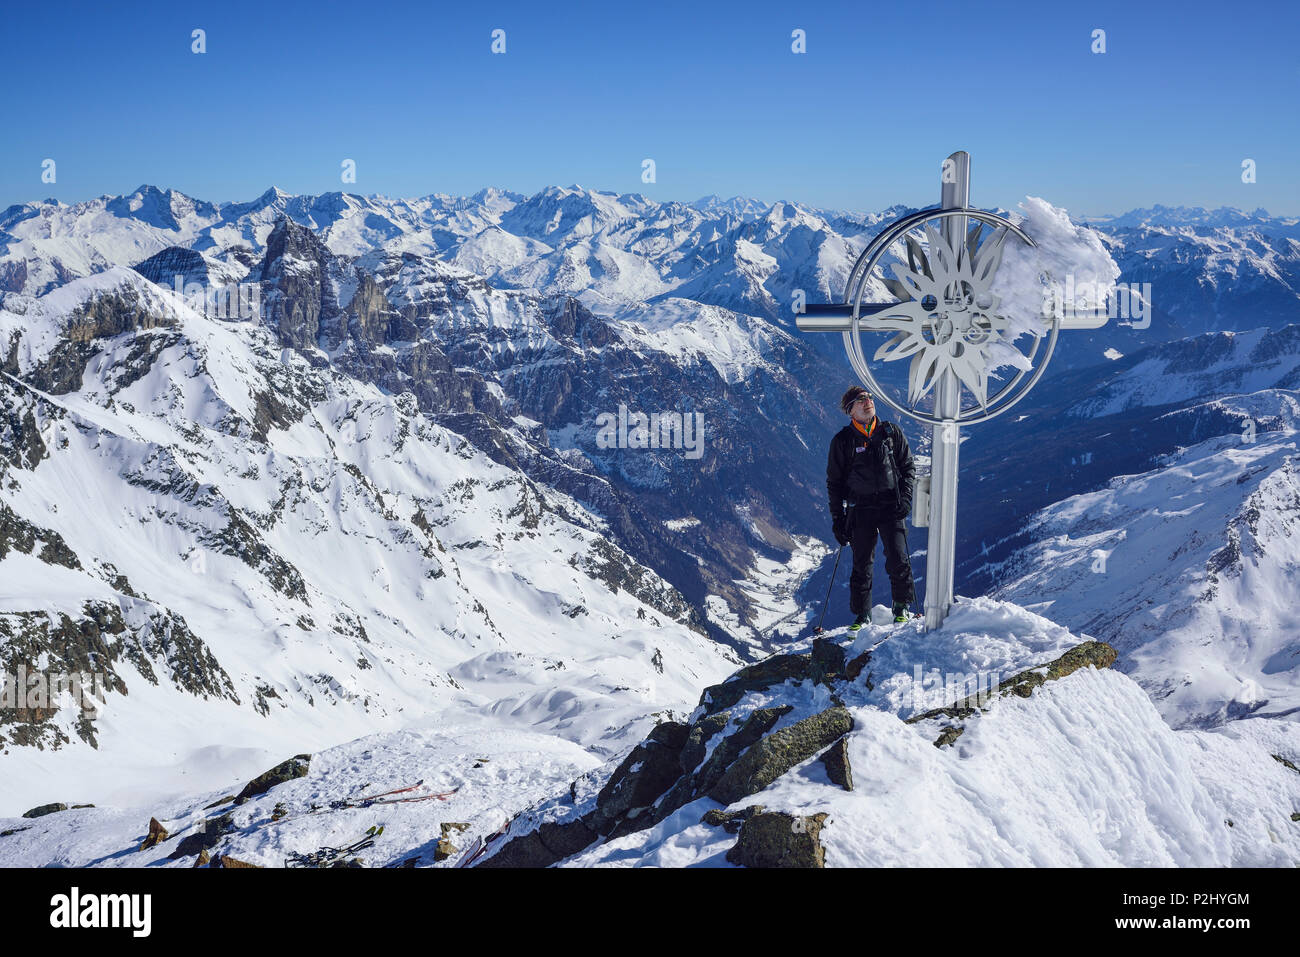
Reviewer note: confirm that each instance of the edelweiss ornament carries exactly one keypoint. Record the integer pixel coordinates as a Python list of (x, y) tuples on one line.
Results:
[(947, 319)]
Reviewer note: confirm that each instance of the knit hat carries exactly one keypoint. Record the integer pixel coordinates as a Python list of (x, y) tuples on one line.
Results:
[(854, 393)]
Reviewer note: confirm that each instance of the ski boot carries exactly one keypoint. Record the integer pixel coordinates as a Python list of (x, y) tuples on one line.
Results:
[(858, 623), (900, 612)]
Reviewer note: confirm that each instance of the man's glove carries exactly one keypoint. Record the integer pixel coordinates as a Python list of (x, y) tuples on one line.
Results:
[(904, 508), (840, 528)]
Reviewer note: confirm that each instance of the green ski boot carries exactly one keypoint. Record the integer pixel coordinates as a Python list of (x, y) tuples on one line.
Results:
[(858, 623), (900, 611)]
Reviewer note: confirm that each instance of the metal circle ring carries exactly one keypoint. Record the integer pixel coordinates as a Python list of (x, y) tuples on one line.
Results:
[(852, 339)]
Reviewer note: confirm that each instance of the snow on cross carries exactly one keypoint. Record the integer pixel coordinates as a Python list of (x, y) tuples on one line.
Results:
[(947, 318)]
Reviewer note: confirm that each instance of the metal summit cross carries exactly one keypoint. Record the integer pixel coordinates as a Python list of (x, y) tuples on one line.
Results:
[(946, 317)]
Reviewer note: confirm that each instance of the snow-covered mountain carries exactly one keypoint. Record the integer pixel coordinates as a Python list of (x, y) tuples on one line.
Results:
[(278, 556), (1000, 739), (387, 493), (1171, 533)]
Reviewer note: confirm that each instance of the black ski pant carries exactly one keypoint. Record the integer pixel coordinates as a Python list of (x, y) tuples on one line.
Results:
[(864, 524)]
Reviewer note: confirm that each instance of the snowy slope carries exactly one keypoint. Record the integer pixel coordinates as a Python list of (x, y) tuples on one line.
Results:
[(289, 557), (1081, 772), (1084, 772), (1189, 569)]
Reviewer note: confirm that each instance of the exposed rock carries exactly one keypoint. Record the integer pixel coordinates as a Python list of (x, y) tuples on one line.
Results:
[(157, 834), (296, 767), (948, 735), (691, 786), (836, 760), (946, 712), (205, 837), (527, 850), (648, 771), (1097, 654), (763, 674), (827, 661), (778, 839), (698, 739), (219, 801), (730, 821), (759, 723), (44, 809), (226, 861), (13, 830), (202, 860), (854, 667), (1285, 763), (779, 752), (445, 848)]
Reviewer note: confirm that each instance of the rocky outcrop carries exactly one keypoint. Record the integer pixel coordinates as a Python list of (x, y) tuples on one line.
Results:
[(778, 839), (822, 665), (731, 821), (1095, 654), (296, 767), (299, 298), (727, 759), (835, 760), (166, 265), (778, 752), (157, 834), (206, 835)]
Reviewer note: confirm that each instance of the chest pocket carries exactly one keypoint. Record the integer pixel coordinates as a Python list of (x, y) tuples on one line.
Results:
[(872, 471)]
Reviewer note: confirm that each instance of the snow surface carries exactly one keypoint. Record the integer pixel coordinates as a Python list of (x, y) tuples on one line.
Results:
[(472, 616), (1084, 772)]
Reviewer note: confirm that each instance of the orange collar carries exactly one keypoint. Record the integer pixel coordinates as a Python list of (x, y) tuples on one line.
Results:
[(866, 432)]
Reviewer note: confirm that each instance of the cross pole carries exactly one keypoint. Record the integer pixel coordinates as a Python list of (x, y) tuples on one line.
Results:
[(935, 497)]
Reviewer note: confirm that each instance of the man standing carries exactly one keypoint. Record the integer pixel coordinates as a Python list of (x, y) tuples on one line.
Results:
[(870, 467)]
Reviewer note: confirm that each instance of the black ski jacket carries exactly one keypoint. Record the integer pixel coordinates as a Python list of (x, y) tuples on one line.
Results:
[(871, 472)]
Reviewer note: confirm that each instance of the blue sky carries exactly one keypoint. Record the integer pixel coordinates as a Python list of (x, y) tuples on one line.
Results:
[(712, 92)]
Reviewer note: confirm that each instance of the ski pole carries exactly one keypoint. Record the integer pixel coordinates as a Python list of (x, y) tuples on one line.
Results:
[(827, 602)]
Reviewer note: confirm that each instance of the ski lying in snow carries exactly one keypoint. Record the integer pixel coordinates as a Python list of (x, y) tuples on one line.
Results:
[(411, 787), (326, 856), (373, 800), (437, 795), (480, 845)]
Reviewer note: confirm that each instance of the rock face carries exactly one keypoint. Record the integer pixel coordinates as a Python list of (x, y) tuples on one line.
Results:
[(296, 767), (777, 753), (205, 837), (45, 809), (731, 821), (836, 761), (780, 840)]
